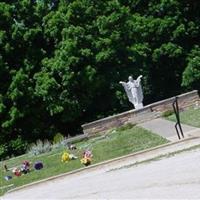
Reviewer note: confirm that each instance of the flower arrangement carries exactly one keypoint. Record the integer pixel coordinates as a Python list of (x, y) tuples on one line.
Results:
[(16, 172), (7, 178), (87, 158), (38, 165), (67, 157), (25, 168)]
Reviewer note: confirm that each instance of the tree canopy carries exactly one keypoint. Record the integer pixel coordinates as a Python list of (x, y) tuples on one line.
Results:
[(61, 61)]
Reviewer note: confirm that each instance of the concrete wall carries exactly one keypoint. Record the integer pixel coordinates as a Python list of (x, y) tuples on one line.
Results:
[(134, 116)]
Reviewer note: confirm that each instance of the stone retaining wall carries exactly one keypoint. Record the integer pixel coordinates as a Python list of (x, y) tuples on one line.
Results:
[(134, 116)]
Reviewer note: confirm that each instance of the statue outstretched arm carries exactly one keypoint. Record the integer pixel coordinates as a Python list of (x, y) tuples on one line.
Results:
[(123, 83), (139, 78)]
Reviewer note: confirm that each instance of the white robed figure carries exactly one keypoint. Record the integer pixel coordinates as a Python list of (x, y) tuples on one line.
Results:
[(133, 90)]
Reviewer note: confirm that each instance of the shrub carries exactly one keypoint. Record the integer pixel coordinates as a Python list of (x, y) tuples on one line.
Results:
[(58, 138), (3, 151), (40, 147), (62, 144), (17, 146)]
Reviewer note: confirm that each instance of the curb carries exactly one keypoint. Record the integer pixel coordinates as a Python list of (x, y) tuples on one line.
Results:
[(138, 156)]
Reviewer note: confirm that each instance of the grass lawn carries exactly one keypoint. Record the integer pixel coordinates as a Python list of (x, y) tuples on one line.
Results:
[(116, 143), (190, 117)]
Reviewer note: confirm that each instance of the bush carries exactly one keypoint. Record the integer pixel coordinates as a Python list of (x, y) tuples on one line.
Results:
[(3, 151), (17, 146), (58, 138), (40, 147), (62, 144)]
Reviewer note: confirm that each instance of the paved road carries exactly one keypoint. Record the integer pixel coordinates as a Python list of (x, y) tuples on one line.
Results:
[(176, 177)]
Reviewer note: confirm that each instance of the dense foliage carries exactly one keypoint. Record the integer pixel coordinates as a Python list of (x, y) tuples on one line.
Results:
[(61, 61)]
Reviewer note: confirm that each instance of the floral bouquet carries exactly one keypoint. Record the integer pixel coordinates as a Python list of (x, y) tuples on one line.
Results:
[(87, 157)]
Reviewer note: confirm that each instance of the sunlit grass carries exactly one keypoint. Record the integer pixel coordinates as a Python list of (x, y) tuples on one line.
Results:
[(116, 143), (190, 117)]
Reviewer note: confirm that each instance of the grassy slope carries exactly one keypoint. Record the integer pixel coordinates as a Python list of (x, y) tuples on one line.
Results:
[(190, 117), (114, 144)]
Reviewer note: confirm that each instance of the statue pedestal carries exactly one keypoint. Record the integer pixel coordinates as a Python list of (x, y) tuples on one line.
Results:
[(139, 105)]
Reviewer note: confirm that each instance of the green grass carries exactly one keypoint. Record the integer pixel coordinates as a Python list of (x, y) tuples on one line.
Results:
[(117, 143), (190, 117)]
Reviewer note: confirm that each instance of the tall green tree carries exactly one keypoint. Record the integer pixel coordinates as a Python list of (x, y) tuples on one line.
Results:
[(61, 61)]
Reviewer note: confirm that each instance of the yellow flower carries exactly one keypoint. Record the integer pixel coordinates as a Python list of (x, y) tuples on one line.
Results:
[(65, 157)]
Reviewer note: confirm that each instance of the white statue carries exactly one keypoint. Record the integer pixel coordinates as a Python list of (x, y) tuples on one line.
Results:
[(133, 90)]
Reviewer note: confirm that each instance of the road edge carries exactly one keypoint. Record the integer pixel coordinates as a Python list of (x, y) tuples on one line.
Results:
[(136, 157)]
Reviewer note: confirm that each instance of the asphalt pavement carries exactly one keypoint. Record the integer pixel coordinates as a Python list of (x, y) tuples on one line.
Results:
[(176, 177)]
